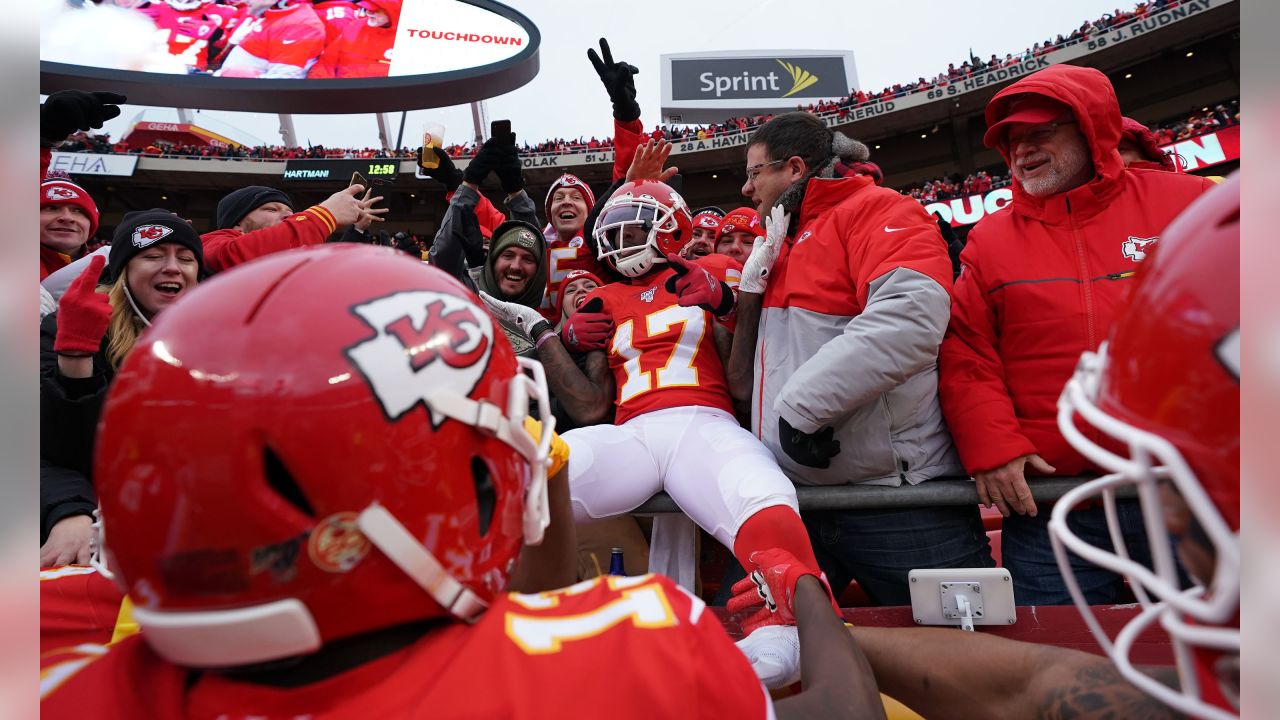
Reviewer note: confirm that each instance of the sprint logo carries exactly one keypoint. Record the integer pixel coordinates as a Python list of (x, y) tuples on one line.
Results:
[(800, 78), (763, 83)]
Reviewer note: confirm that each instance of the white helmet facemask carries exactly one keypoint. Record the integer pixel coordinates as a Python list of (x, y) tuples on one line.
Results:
[(1196, 619), (626, 218)]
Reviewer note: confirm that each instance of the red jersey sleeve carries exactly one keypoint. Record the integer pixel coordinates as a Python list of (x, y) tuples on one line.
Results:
[(228, 248)]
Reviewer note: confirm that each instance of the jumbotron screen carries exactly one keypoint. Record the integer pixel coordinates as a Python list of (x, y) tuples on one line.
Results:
[(366, 43)]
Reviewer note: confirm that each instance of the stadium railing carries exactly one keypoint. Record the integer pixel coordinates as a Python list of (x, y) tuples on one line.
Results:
[(926, 494)]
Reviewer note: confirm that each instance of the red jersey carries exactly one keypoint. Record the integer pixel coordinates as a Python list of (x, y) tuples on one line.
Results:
[(663, 355), (78, 605), (361, 51), (189, 32), (565, 256), (624, 647), (336, 16)]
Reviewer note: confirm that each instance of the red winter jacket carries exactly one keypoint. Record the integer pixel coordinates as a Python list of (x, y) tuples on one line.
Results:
[(1044, 281), (226, 248)]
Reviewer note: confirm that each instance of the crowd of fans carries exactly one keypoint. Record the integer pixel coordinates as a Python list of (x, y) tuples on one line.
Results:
[(1205, 120), (1198, 122), (839, 108), (894, 372)]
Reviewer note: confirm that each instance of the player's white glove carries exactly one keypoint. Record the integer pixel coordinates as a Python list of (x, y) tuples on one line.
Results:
[(764, 251), (774, 652), (521, 316)]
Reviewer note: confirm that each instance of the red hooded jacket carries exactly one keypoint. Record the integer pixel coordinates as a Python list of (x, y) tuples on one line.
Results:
[(361, 51), (1044, 282)]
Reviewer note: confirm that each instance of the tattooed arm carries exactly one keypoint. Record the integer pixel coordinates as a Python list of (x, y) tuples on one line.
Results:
[(587, 396), (943, 673)]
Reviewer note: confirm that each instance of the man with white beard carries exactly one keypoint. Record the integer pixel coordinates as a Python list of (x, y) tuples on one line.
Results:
[(1039, 285)]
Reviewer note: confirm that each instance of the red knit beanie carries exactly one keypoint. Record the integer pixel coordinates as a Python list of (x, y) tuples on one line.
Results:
[(742, 219), (64, 192)]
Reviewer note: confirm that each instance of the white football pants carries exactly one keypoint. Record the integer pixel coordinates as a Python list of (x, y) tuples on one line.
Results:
[(716, 471)]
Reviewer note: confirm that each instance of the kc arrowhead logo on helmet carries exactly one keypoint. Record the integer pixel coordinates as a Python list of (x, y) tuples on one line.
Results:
[(425, 341)]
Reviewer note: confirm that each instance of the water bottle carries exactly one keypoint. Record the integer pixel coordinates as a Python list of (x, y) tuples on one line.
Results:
[(615, 562)]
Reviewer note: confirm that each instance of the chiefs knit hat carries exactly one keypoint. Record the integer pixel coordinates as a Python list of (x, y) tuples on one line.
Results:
[(64, 192), (742, 219), (238, 203), (708, 217), (1145, 140), (141, 229), (571, 181)]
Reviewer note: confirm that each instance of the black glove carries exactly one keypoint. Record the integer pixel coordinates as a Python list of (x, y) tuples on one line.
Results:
[(470, 238), (446, 173), (70, 110), (618, 80), (814, 450), (488, 159), (510, 172)]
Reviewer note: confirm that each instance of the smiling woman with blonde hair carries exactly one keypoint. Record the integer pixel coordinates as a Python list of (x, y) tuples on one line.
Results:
[(156, 259)]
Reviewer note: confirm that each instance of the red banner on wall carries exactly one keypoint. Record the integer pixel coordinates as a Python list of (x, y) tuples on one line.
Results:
[(1190, 155)]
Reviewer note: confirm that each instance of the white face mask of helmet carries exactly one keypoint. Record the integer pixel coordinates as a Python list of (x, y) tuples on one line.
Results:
[(634, 232), (184, 5)]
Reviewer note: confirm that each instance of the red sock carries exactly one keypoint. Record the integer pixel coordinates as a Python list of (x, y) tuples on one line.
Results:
[(776, 526)]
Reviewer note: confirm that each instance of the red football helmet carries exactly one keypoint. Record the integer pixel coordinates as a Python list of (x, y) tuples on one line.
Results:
[(1167, 387), (641, 223), (314, 445)]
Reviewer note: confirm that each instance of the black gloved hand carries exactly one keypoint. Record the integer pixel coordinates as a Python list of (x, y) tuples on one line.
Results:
[(446, 173), (488, 159), (471, 239), (510, 172), (618, 79), (67, 111), (814, 450)]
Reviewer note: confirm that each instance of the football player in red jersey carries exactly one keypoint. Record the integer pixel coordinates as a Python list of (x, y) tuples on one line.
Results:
[(364, 48), (191, 29), (656, 358), (1160, 405), (330, 534), (570, 200), (336, 16)]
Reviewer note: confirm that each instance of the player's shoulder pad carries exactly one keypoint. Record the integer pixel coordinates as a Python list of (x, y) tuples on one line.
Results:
[(597, 592)]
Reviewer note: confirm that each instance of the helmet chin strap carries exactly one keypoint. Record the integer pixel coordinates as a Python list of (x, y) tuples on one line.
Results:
[(391, 537)]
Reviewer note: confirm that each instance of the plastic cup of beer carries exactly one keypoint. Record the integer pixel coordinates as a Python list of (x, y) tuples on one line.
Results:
[(432, 137)]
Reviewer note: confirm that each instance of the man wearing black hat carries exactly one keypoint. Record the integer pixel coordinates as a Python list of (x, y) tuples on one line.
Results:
[(257, 220)]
